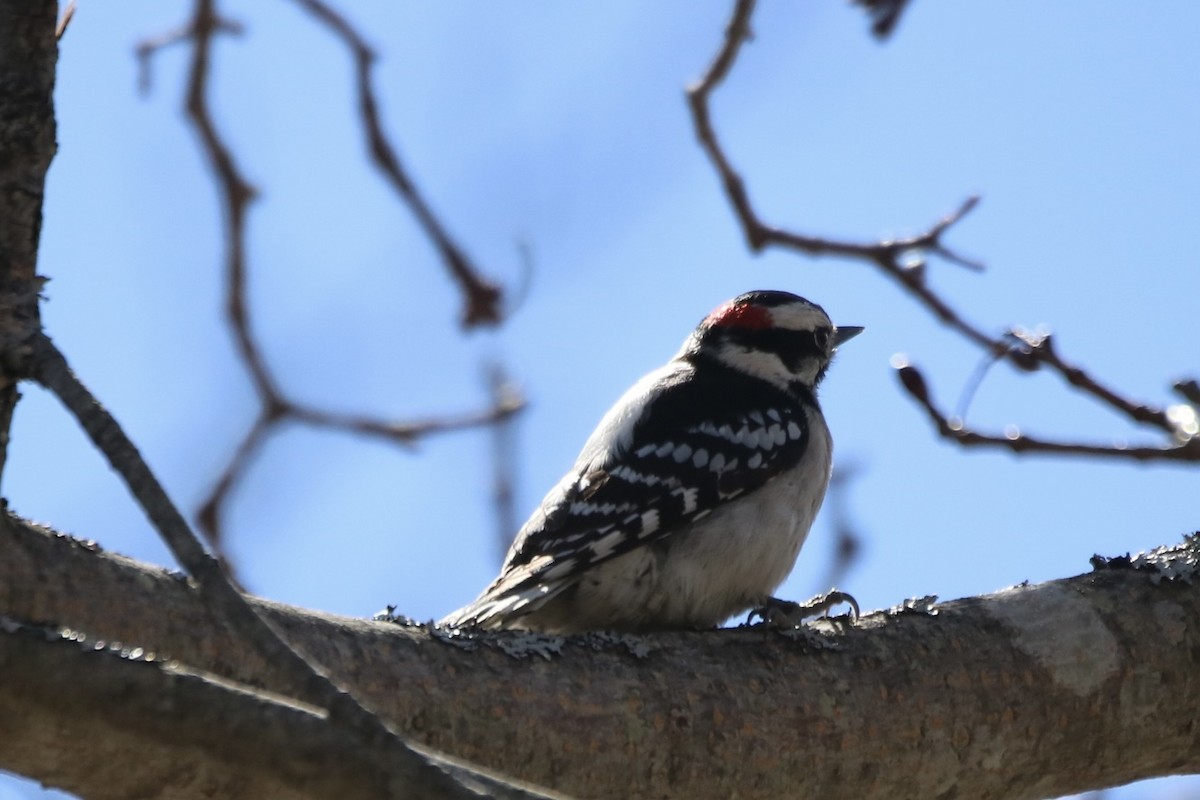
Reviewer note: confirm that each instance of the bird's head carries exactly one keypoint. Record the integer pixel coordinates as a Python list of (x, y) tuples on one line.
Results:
[(777, 336)]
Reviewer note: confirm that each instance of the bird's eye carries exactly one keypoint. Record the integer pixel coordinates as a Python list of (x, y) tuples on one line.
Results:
[(821, 338)]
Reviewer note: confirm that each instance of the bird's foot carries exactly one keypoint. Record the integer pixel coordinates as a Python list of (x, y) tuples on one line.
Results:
[(777, 613)]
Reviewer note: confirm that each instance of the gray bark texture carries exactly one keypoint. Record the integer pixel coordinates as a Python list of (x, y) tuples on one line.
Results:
[(28, 56), (1036, 691)]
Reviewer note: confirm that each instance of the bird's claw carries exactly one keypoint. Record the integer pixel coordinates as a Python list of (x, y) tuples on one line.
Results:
[(777, 613)]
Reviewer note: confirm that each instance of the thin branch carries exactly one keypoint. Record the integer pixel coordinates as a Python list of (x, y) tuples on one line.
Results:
[(504, 461), (64, 21), (1042, 348), (848, 541), (236, 194), (228, 604), (903, 260), (148, 48), (407, 433), (208, 516), (1189, 389), (1187, 450), (482, 297), (888, 254), (885, 14)]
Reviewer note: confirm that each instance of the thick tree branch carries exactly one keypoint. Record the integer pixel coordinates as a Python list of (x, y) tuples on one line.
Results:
[(227, 742), (28, 54), (297, 674), (1033, 692)]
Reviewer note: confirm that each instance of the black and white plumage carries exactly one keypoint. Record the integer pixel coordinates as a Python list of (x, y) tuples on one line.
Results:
[(691, 500)]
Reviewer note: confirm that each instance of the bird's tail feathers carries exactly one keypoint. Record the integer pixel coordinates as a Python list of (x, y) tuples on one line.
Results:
[(503, 606)]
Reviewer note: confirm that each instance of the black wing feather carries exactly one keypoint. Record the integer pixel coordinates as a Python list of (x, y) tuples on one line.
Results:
[(679, 466)]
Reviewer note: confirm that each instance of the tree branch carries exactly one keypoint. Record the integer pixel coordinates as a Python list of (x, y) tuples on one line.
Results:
[(1185, 450), (28, 54), (230, 743), (482, 298), (903, 260), (1032, 692), (297, 674)]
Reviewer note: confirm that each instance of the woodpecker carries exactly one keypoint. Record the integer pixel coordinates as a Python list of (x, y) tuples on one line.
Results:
[(690, 501)]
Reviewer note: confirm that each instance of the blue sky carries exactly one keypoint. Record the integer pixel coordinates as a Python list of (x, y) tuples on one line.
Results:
[(564, 127)]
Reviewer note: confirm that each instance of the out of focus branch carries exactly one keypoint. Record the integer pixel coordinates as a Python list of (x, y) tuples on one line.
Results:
[(884, 14), (904, 261), (848, 541), (483, 298), (504, 460), (236, 194), (148, 48), (893, 256), (1186, 450)]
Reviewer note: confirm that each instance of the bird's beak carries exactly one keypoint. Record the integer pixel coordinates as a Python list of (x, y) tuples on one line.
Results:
[(843, 334)]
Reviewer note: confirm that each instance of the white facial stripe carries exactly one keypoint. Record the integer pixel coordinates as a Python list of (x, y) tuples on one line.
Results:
[(799, 317), (759, 363)]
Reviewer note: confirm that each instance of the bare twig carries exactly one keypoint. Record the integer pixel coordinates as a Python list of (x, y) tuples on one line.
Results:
[(1187, 450), (884, 15), (236, 194), (208, 516), (504, 460), (148, 48), (1042, 349), (903, 260), (483, 298), (1188, 389), (407, 433), (848, 542), (889, 255), (64, 21)]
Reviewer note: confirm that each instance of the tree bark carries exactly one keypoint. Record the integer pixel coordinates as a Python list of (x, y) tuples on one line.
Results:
[(28, 56), (1035, 691)]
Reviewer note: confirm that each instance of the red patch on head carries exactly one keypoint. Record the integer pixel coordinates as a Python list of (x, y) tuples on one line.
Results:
[(740, 315)]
